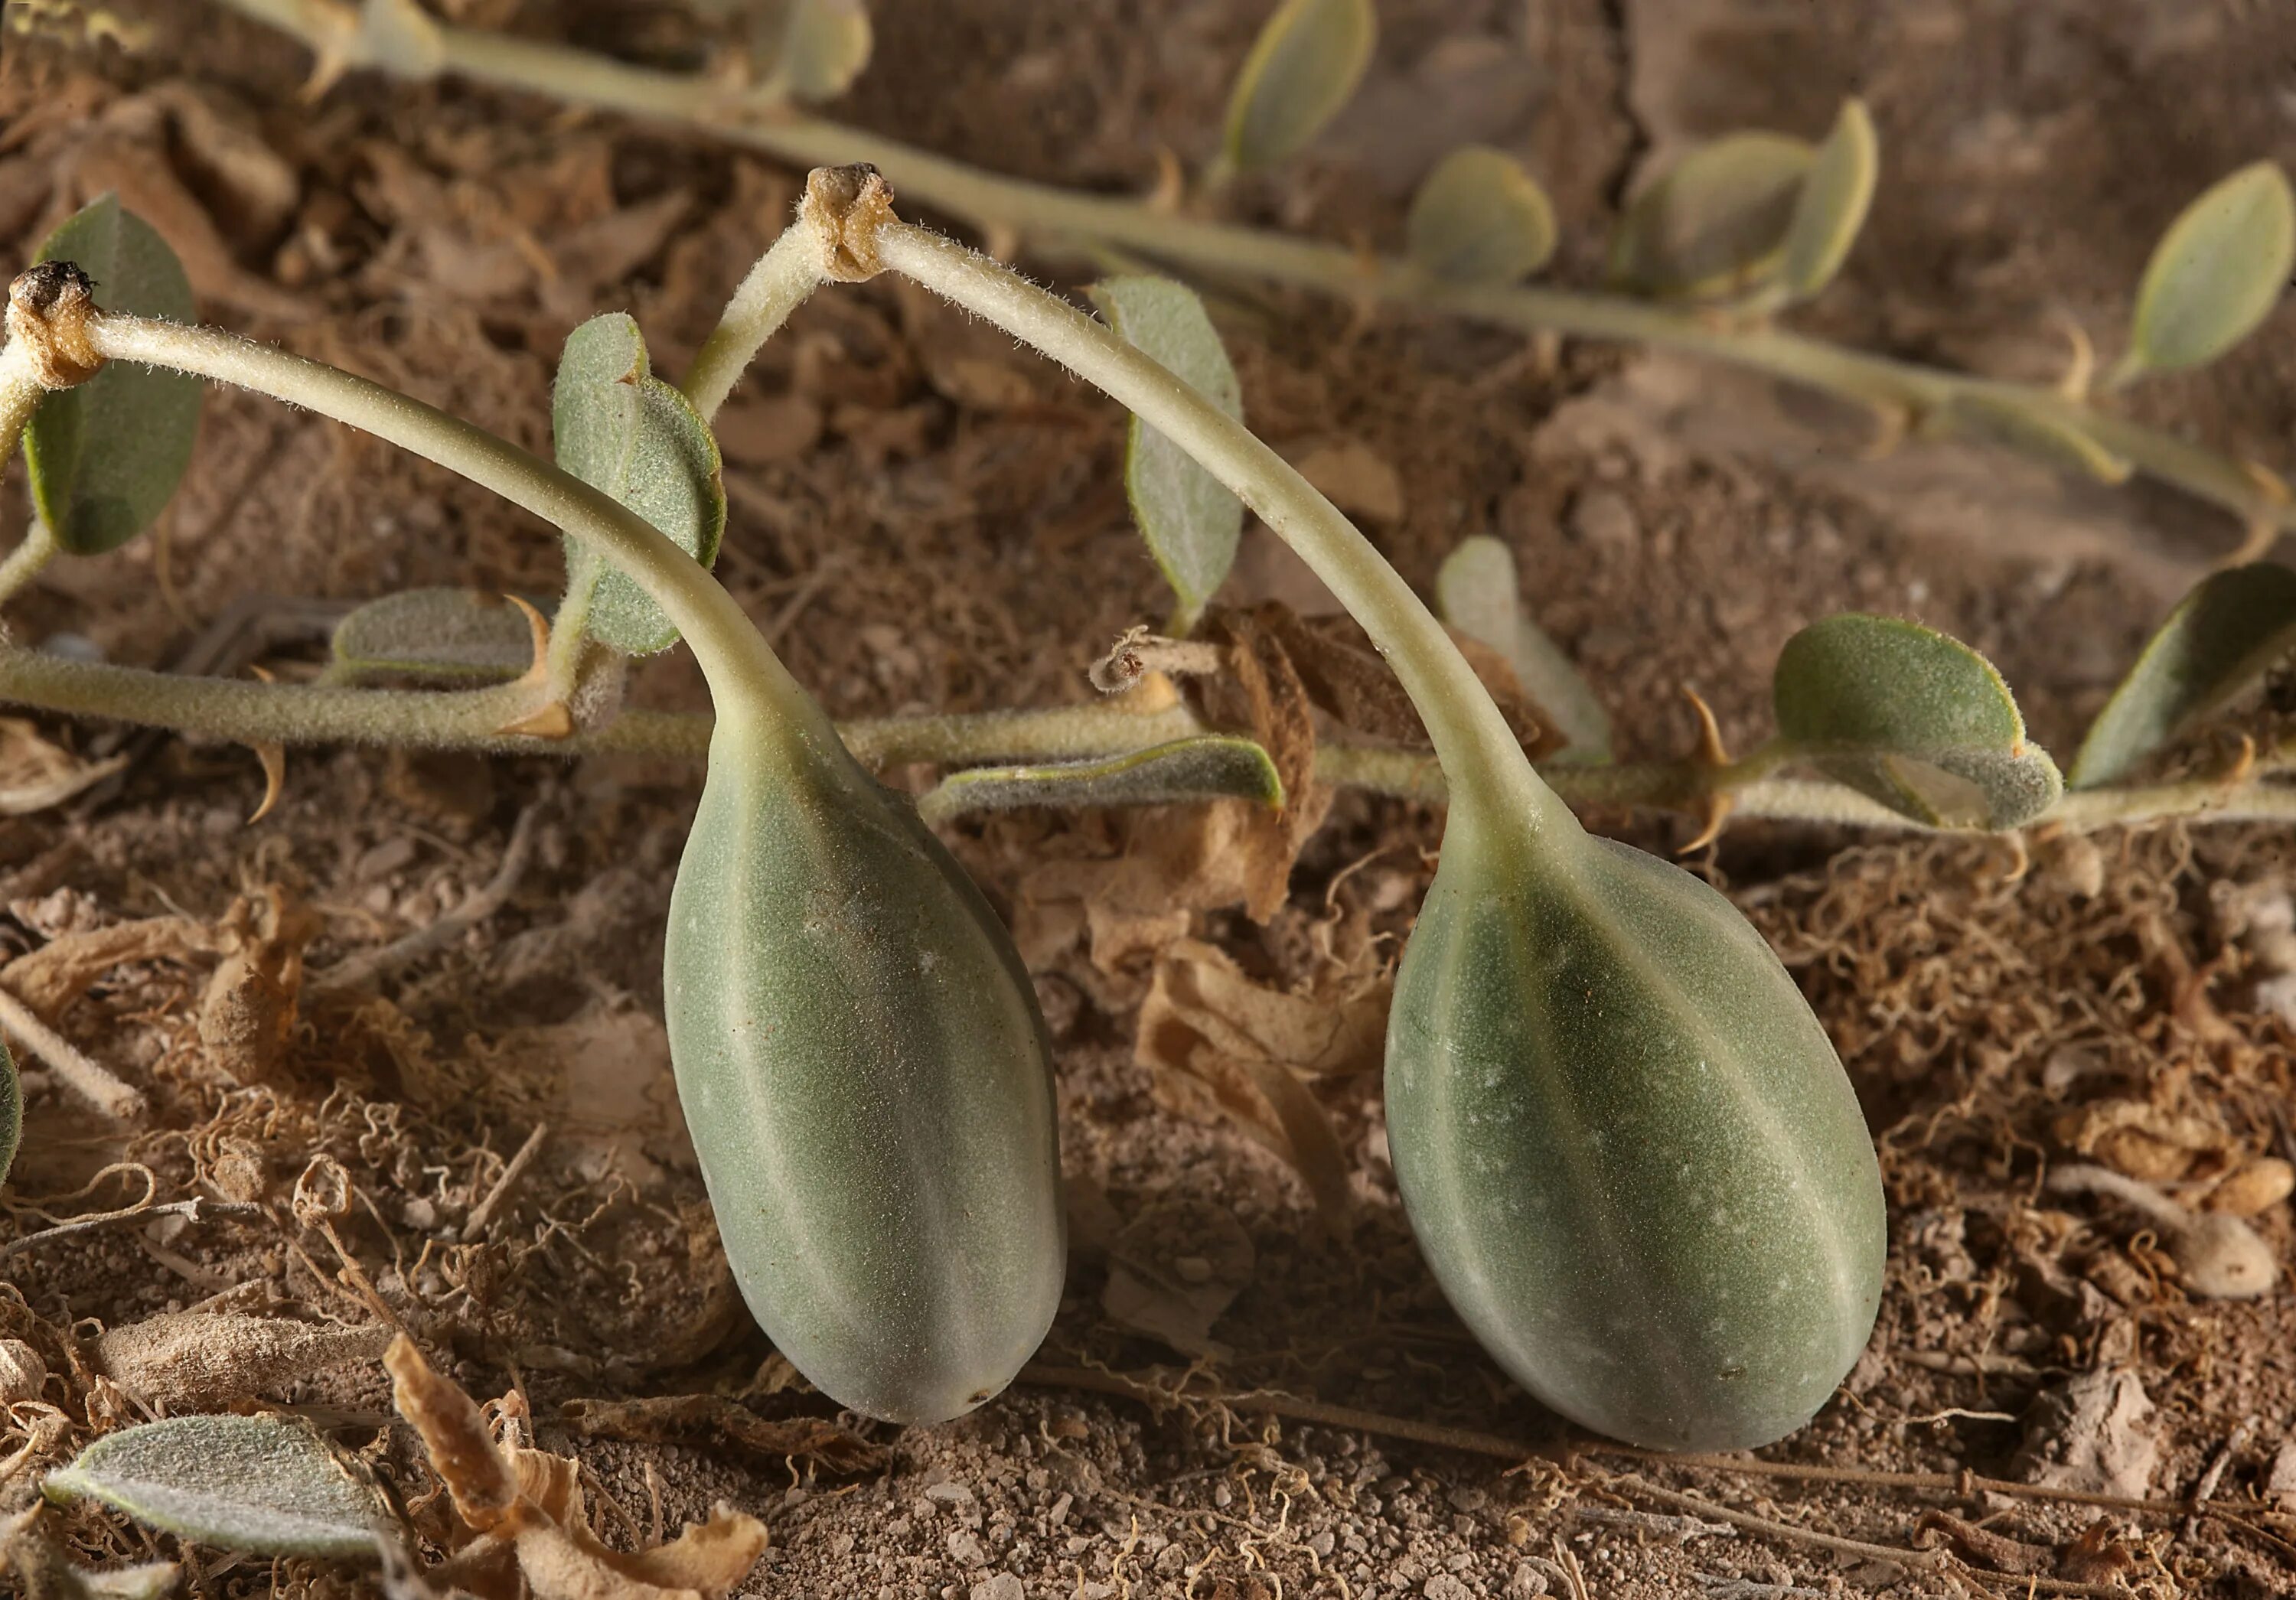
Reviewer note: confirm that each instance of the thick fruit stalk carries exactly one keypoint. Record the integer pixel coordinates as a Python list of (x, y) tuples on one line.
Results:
[(867, 1083), (1633, 1158), (1626, 1145)]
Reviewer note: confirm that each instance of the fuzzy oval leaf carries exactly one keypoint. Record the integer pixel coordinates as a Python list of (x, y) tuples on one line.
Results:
[(824, 45), (11, 1111), (621, 429), (260, 1484), (104, 457), (1213, 767), (1481, 218), (1476, 593), (441, 634), (2216, 273), (1913, 719), (1831, 206), (1715, 224), (2219, 641), (1302, 69), (1190, 519), (2028, 428)]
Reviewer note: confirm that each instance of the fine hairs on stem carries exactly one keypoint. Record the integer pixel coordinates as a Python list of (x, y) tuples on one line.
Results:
[(1478, 753), (742, 670)]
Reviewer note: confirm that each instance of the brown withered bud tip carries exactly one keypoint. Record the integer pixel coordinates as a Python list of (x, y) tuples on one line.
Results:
[(49, 309), (846, 206), (43, 288)]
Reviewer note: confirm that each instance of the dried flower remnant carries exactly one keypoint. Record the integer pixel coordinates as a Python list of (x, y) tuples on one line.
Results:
[(525, 1528)]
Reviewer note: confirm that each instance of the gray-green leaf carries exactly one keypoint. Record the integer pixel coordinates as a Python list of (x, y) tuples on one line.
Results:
[(11, 1111), (1304, 67), (1476, 593), (824, 44), (1190, 520), (2030, 427), (1715, 224), (1213, 767), (2223, 637), (444, 634), (1481, 218), (2215, 275), (621, 429), (1831, 206), (105, 456), (1912, 719), (260, 1484)]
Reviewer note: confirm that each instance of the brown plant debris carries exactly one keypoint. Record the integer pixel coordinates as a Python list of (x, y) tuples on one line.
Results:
[(522, 1526)]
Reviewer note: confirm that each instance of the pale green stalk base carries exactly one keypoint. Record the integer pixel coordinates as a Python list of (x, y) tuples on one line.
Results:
[(21, 393), (1093, 226), (783, 276)]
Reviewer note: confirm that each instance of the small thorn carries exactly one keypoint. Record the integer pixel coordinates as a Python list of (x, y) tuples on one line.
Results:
[(2264, 528), (1710, 752), (1713, 810), (1891, 423), (274, 758), (334, 31), (2080, 363), (1002, 241), (1169, 197), (553, 721), (538, 631), (2020, 860), (1713, 806), (2243, 765)]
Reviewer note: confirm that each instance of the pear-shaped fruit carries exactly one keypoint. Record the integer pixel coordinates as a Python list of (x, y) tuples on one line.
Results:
[(867, 1079), (1625, 1144)]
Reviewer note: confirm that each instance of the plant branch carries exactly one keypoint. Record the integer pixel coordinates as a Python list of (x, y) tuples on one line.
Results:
[(21, 393), (1086, 225), (742, 670), (246, 712), (25, 561), (1471, 740), (71, 1067), (783, 276), (194, 1209)]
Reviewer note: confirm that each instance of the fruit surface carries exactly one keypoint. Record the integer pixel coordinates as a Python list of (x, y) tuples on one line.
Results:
[(1627, 1148), (867, 1083)]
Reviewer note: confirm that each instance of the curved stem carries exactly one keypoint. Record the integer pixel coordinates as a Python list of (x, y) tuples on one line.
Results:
[(1471, 738), (1086, 224), (21, 393), (25, 561), (742, 668), (777, 285)]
